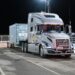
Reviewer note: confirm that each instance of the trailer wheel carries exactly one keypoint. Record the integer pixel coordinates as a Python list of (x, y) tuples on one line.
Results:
[(41, 52)]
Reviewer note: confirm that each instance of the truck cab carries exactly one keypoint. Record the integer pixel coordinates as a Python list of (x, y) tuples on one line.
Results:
[(46, 35)]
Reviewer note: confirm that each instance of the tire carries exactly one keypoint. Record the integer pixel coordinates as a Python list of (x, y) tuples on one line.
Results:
[(23, 47), (68, 56), (41, 52), (26, 47)]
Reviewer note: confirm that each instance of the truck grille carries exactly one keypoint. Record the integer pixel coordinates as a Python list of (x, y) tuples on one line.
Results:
[(62, 43)]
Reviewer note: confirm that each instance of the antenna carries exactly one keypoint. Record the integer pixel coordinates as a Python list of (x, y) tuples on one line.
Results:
[(69, 13), (70, 28)]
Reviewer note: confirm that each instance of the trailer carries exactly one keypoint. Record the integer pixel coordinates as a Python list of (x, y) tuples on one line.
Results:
[(18, 35)]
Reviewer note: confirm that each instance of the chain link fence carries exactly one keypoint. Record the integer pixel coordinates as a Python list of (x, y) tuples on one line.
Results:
[(4, 38), (4, 41)]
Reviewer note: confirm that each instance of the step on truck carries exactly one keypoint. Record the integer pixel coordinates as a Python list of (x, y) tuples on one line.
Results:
[(46, 35), (18, 35)]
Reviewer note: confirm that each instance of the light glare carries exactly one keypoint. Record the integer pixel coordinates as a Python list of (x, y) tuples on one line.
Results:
[(43, 0)]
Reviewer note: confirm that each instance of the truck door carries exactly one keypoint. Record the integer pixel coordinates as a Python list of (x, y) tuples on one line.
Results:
[(32, 39)]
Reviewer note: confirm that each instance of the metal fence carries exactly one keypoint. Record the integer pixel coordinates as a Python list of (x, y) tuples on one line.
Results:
[(4, 38), (73, 38), (4, 41)]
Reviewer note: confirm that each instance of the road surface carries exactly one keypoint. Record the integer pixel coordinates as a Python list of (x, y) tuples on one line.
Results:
[(14, 62)]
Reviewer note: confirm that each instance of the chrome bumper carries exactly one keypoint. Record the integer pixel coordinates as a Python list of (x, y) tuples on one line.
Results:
[(60, 52)]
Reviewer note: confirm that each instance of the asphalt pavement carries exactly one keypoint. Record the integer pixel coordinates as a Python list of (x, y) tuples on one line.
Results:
[(14, 62)]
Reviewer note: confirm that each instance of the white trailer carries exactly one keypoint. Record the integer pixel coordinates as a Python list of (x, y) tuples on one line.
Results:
[(18, 35), (46, 35)]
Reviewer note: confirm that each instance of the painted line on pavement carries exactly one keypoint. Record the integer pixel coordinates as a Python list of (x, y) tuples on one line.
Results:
[(47, 69), (1, 72), (56, 73)]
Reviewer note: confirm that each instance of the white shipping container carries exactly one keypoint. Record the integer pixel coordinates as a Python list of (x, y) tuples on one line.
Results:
[(17, 33)]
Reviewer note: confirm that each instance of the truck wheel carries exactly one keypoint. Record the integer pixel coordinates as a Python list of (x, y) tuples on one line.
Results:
[(41, 52), (23, 47), (26, 47), (68, 56)]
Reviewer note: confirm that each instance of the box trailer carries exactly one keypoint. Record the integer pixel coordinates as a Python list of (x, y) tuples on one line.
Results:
[(18, 35)]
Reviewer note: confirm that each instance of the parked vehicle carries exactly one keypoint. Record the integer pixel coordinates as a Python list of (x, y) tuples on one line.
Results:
[(46, 35)]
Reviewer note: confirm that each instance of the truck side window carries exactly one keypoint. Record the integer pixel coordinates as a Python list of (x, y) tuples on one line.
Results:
[(31, 29)]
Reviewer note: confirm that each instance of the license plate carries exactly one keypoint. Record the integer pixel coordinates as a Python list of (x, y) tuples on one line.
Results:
[(59, 47)]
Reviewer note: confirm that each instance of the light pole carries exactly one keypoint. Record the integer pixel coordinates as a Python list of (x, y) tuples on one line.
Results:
[(47, 5)]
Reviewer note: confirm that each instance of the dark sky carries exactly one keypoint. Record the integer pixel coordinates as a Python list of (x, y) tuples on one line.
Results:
[(16, 11)]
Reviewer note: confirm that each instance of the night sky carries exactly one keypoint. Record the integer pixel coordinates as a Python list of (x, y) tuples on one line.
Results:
[(16, 11)]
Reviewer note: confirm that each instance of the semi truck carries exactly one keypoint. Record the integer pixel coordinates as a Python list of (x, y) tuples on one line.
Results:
[(18, 35), (46, 35)]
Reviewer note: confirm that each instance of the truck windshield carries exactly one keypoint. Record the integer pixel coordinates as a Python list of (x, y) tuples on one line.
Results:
[(49, 28)]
